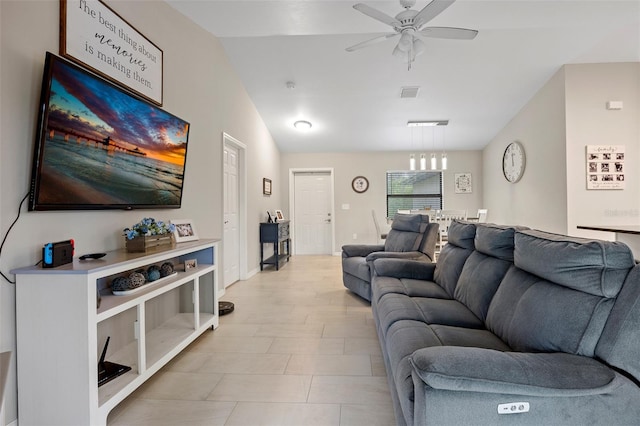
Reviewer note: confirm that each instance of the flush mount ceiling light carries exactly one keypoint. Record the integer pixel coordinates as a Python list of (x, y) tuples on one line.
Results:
[(427, 123), (302, 125)]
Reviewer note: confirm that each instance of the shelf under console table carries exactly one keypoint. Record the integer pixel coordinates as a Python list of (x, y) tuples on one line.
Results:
[(276, 233), (61, 332)]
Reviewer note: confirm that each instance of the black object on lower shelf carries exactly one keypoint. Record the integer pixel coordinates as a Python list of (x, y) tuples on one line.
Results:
[(108, 371), (225, 308)]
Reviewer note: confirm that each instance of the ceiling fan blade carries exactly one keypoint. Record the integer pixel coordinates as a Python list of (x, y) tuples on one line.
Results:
[(372, 41), (430, 11), (377, 15), (449, 32)]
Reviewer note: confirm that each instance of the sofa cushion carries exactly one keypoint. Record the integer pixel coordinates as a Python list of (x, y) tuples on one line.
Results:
[(591, 266), (479, 280), (406, 232), (406, 222), (532, 314), (495, 240), (453, 255), (392, 308), (462, 234), (618, 345), (407, 286)]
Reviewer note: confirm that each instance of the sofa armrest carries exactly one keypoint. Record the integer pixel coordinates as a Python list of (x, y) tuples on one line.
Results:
[(360, 250), (408, 255), (404, 268), (530, 374)]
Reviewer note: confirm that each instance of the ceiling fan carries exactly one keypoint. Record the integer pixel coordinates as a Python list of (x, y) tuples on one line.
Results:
[(409, 25)]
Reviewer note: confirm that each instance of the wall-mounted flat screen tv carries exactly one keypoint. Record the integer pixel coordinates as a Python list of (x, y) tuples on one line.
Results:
[(100, 147)]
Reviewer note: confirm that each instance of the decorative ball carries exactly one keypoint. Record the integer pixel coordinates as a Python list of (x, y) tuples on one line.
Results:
[(120, 284), (166, 269), (144, 274), (154, 274), (136, 280)]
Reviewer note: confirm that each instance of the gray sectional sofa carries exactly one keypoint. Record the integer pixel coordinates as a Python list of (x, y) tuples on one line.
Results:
[(512, 326)]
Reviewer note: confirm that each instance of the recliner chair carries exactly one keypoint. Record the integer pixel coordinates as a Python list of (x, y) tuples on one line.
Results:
[(411, 237)]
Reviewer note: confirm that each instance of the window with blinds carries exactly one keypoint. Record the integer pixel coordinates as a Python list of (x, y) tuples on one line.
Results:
[(409, 190)]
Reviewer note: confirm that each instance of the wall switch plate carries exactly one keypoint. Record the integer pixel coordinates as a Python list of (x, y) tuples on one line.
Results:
[(513, 408), (346, 207)]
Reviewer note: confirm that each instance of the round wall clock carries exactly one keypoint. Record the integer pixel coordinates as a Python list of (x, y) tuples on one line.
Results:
[(360, 184), (513, 162)]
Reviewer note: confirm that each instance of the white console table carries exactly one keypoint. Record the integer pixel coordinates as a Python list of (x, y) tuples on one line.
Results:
[(628, 234), (61, 333)]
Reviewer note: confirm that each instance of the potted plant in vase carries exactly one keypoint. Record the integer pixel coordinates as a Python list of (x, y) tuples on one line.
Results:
[(148, 234)]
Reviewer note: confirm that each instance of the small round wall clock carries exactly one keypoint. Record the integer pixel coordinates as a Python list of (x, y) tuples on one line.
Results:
[(513, 162), (360, 184)]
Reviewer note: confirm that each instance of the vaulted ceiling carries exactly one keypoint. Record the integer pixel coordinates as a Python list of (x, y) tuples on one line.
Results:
[(353, 98)]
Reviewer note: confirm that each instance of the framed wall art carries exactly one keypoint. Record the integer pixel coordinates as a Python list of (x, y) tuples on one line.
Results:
[(96, 37), (605, 166), (463, 183), (266, 186)]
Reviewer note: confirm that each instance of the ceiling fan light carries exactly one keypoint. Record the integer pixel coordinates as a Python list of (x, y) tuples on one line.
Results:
[(406, 39), (399, 53), (418, 47)]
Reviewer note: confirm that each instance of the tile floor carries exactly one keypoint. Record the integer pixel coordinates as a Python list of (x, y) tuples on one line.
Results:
[(299, 349)]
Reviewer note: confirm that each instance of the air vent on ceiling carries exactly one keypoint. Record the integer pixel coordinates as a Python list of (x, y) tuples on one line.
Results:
[(409, 92)]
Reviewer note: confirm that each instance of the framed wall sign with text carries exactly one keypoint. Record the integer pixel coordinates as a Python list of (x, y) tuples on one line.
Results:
[(605, 166), (96, 37)]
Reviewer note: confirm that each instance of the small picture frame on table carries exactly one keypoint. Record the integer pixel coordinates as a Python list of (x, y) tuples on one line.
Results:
[(185, 231), (279, 215), (190, 264), (266, 186)]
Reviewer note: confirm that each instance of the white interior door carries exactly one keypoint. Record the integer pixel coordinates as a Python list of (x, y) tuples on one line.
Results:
[(231, 237), (312, 209)]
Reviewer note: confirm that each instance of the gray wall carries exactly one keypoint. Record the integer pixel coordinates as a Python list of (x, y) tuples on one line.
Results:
[(374, 165), (199, 86)]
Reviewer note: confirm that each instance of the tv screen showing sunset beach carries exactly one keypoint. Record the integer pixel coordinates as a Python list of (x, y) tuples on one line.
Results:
[(100, 147)]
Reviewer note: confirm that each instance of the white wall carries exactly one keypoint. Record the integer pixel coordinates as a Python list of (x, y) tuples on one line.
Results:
[(538, 200), (588, 89), (199, 86), (374, 165), (555, 126)]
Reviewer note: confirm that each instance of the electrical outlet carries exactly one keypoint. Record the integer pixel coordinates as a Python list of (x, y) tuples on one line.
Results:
[(355, 236), (513, 408)]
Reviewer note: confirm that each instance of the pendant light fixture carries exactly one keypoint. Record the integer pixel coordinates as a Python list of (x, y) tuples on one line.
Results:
[(412, 157), (444, 153), (434, 164), (423, 156)]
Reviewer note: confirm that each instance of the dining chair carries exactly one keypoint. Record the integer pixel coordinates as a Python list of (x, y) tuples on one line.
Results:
[(444, 219), (380, 236), (482, 215)]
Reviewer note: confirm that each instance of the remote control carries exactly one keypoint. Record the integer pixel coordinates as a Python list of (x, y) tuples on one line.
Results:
[(92, 256)]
